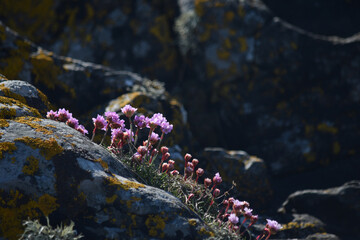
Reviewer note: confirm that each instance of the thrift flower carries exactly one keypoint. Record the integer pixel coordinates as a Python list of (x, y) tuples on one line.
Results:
[(142, 150), (166, 127), (82, 129), (216, 192), (128, 110), (52, 115), (116, 134), (72, 122), (233, 218), (155, 121), (117, 124), (217, 179), (247, 213), (174, 172), (207, 182), (154, 137), (139, 121), (63, 115), (195, 162), (112, 117), (130, 133), (99, 122), (273, 226), (164, 149)]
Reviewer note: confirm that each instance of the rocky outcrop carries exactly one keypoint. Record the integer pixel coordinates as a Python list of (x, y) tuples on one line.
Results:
[(274, 89), (50, 169), (248, 173), (337, 207)]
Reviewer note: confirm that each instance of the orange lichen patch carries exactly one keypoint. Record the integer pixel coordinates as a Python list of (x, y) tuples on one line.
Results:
[(192, 222), (32, 166), (48, 148), (324, 127), (111, 199), (126, 185), (203, 231), (30, 121), (104, 165), (6, 147), (8, 93), (4, 123), (15, 208), (155, 225)]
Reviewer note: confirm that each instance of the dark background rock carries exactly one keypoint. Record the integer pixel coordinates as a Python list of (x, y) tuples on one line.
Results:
[(338, 208)]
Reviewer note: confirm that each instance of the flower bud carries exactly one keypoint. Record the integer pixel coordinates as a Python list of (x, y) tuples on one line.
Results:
[(165, 167), (207, 182), (216, 192), (199, 172), (254, 219), (174, 172), (165, 156), (195, 162), (171, 164), (187, 157), (142, 150), (164, 149)]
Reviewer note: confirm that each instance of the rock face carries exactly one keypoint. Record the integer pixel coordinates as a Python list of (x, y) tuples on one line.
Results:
[(266, 86), (50, 169), (132, 35), (248, 172), (338, 208)]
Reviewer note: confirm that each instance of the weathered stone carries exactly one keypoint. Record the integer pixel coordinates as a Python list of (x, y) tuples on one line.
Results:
[(11, 108), (132, 35), (322, 236), (70, 83), (49, 169), (248, 172), (338, 208), (26, 94), (277, 91)]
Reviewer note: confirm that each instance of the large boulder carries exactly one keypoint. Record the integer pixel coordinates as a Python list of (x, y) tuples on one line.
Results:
[(261, 84), (132, 35), (49, 169), (338, 207)]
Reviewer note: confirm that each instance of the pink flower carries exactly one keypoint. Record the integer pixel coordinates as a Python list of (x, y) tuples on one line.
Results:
[(156, 120), (99, 122), (207, 182), (240, 205), (247, 213), (254, 219), (72, 122), (195, 162), (174, 172), (82, 129), (130, 133), (165, 167), (117, 123), (216, 192), (154, 137), (166, 127), (128, 110), (116, 134), (112, 117), (273, 226), (139, 121), (52, 115), (164, 149), (142, 150), (217, 179), (63, 115), (233, 218), (199, 172)]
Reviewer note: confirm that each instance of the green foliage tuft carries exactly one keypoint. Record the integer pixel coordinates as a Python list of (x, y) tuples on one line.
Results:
[(36, 231)]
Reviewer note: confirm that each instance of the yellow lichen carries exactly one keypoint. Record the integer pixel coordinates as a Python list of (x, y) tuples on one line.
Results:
[(292, 225), (203, 231), (104, 165), (243, 44), (110, 200), (310, 157), (192, 222), (229, 16), (155, 225), (4, 123), (126, 185), (336, 148), (8, 93), (48, 148), (15, 207), (324, 127), (6, 147), (8, 113), (32, 165), (11, 113), (130, 202), (30, 121)]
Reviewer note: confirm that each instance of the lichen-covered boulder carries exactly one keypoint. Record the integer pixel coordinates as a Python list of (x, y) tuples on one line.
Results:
[(26, 94), (70, 83), (248, 172), (49, 169), (280, 92), (133, 35), (11, 108), (338, 207)]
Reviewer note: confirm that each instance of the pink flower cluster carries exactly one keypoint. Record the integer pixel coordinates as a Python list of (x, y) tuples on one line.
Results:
[(63, 115)]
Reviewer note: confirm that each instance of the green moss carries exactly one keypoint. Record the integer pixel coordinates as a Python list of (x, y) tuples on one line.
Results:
[(48, 148)]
